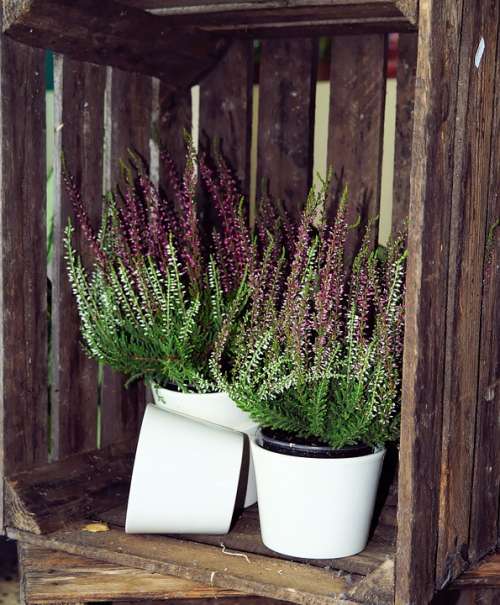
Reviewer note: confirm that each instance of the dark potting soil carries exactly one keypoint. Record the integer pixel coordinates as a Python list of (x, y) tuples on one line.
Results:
[(292, 445)]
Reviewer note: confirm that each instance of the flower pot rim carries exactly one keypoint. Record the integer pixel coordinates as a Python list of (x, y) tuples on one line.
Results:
[(217, 408), (156, 386), (377, 453)]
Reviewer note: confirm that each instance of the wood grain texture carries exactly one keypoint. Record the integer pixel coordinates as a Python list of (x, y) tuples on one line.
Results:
[(128, 125), (286, 120), (174, 121), (253, 574), (378, 587), (50, 576), (79, 111), (49, 496), (108, 33), (484, 527), (226, 110), (485, 574), (406, 70), (275, 17), (426, 298), (23, 272), (245, 536), (356, 128), (469, 217)]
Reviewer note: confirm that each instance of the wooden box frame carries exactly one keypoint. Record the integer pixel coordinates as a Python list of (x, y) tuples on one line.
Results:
[(449, 472)]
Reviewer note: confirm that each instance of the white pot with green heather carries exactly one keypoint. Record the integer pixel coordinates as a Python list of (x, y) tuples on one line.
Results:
[(315, 501), (318, 367), (161, 290)]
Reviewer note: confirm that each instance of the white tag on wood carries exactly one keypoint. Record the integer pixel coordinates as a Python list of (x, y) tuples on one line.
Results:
[(479, 53)]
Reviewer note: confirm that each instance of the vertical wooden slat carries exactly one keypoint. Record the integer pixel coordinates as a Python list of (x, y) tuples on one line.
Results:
[(437, 82), (79, 110), (174, 120), (23, 270), (356, 130), (407, 65), (226, 109), (128, 124), (486, 486), (467, 243), (287, 96)]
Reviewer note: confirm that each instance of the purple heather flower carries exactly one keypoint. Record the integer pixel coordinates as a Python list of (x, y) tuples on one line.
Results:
[(83, 218)]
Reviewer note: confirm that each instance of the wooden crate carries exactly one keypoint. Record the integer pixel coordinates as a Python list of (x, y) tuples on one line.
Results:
[(123, 79)]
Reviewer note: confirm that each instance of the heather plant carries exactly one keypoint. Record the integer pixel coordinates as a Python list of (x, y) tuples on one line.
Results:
[(321, 357), (160, 289)]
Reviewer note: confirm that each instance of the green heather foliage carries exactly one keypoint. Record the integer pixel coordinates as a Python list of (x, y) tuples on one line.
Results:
[(147, 323), (152, 303), (318, 353)]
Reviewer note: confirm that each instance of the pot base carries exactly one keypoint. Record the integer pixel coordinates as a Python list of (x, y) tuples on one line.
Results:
[(215, 408), (185, 476)]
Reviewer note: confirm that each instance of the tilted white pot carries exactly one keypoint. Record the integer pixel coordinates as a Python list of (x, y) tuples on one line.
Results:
[(186, 475), (217, 408), (316, 508)]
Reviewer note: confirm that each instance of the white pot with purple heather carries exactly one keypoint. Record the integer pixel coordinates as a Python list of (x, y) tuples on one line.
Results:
[(318, 367), (160, 294)]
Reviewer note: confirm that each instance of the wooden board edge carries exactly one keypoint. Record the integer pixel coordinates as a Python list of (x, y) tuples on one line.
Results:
[(377, 588), (196, 573)]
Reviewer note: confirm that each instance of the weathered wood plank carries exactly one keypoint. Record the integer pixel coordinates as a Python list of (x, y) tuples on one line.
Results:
[(245, 536), (49, 496), (378, 587), (240, 16), (286, 120), (406, 70), (79, 110), (175, 118), (107, 33), (128, 125), (476, 87), (226, 110), (426, 298), (23, 272), (51, 576), (484, 528), (356, 129), (252, 574), (485, 574)]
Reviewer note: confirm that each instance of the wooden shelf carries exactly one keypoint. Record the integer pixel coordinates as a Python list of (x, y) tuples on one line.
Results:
[(52, 506), (221, 567), (51, 576), (285, 17), (182, 41), (109, 33), (56, 577)]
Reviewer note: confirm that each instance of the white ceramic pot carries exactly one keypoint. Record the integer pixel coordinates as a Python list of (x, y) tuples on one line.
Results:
[(316, 508), (217, 408), (185, 476)]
